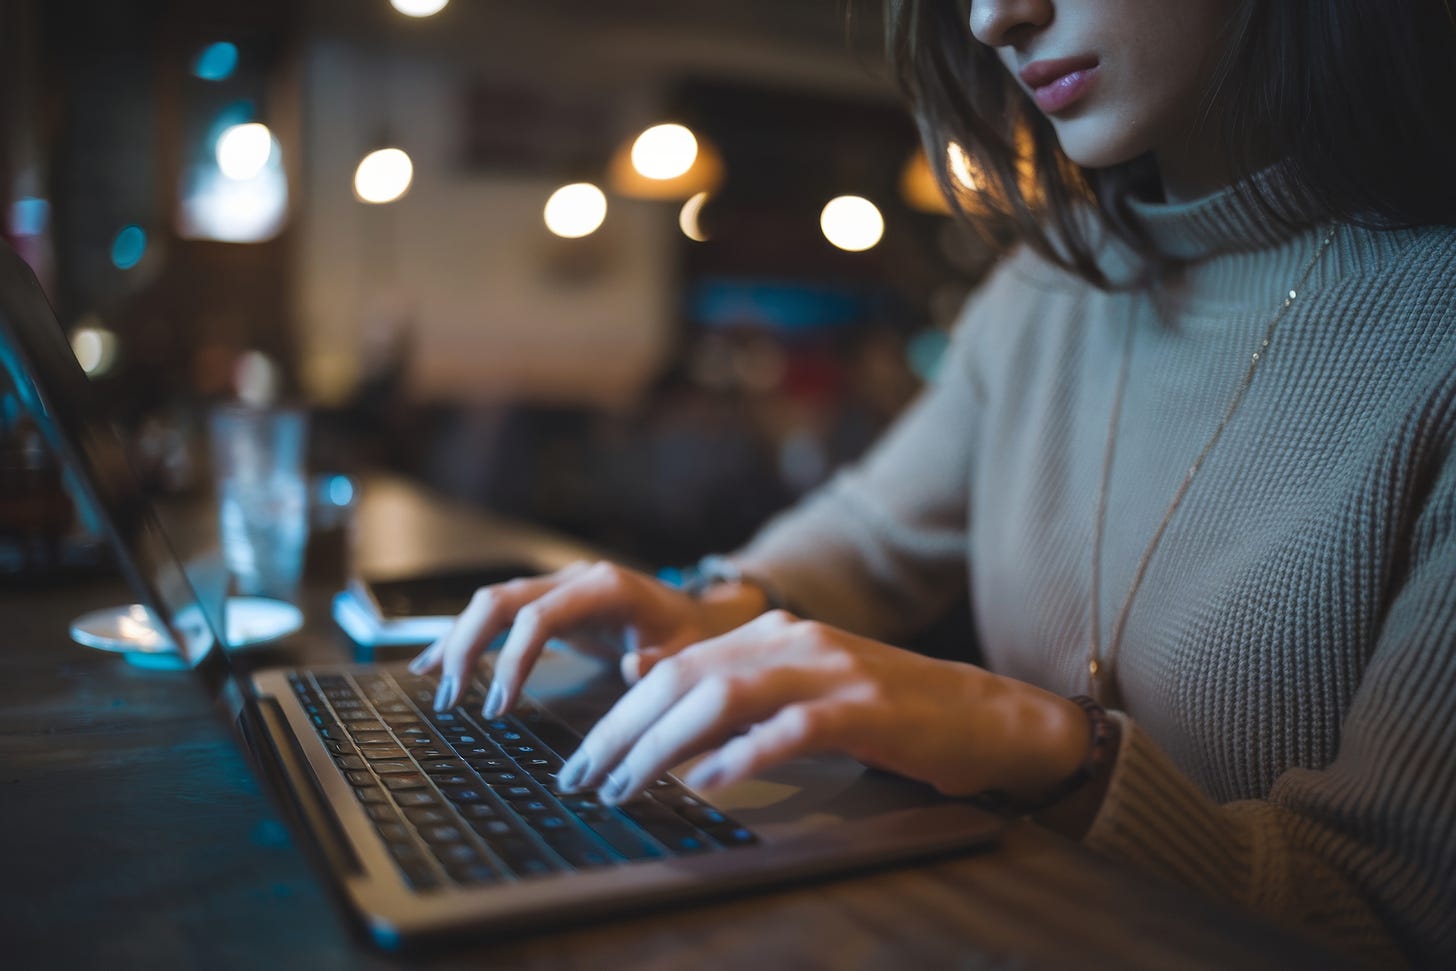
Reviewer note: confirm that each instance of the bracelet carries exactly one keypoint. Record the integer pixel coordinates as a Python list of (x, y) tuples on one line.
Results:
[(714, 569), (1102, 733)]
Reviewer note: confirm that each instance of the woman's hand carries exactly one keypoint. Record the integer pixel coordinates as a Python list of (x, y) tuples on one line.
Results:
[(583, 599), (778, 688)]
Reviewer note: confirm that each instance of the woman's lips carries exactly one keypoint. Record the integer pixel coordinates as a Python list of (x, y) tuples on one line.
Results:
[(1058, 84)]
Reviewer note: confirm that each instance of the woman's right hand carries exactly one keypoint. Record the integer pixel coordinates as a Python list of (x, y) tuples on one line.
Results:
[(654, 619)]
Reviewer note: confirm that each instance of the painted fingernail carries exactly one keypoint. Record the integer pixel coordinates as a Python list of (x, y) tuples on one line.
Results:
[(495, 701), (446, 694), (570, 776), (615, 788), (705, 776)]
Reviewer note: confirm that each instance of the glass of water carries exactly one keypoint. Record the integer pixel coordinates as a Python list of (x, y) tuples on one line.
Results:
[(263, 496)]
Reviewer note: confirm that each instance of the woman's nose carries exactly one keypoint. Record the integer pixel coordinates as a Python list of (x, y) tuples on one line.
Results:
[(997, 23)]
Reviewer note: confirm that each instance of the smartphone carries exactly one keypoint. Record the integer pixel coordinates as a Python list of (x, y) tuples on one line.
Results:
[(441, 593)]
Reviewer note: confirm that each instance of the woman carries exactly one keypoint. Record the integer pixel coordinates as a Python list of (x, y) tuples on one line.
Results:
[(1192, 450)]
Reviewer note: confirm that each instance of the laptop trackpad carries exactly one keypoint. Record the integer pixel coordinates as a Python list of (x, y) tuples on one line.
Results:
[(810, 793)]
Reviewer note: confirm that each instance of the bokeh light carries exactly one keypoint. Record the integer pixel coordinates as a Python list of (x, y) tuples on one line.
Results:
[(94, 346), (128, 248), (419, 8), (244, 150), (852, 223), (576, 210), (216, 62), (383, 176), (664, 152), (960, 166), (690, 219), (256, 379)]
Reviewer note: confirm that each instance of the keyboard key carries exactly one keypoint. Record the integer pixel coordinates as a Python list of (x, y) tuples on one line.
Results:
[(491, 829), (340, 748), (457, 854), (360, 778), (392, 768), (350, 762), (733, 835), (452, 780), (366, 738), (394, 832), (471, 873), (373, 752), (442, 767), (665, 826), (463, 794), (419, 874), (428, 816), (626, 839), (521, 856), (370, 794), (441, 834), (408, 780), (356, 728), (487, 764), (416, 797), (479, 810), (381, 813)]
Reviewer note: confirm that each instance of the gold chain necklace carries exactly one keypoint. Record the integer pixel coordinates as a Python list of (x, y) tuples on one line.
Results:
[(1099, 665)]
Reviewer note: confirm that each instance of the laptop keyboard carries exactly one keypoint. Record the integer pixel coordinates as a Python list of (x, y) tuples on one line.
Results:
[(461, 800)]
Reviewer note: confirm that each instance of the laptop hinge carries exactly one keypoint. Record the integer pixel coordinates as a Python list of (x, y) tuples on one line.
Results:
[(276, 752)]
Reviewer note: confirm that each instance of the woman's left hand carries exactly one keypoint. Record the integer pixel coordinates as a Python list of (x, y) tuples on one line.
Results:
[(778, 687)]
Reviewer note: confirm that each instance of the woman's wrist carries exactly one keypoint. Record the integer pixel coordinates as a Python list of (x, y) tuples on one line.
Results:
[(1071, 745)]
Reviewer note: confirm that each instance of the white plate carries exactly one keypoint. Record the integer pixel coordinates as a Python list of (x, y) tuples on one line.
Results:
[(133, 632)]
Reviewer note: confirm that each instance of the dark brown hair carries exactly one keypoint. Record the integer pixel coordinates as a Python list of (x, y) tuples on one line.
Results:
[(1355, 99)]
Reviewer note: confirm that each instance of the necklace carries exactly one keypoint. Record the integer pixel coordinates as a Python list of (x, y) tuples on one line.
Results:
[(1100, 664)]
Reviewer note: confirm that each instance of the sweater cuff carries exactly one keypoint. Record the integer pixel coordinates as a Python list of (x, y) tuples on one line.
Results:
[(1156, 819)]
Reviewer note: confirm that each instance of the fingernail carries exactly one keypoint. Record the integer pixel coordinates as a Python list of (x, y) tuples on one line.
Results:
[(614, 788), (495, 701), (572, 773), (705, 777), (446, 694), (418, 665)]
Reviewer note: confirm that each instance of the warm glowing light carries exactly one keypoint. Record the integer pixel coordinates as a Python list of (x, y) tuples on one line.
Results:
[(128, 248), (664, 152), (243, 150), (576, 210), (852, 223), (94, 347), (419, 8), (217, 62), (383, 176), (960, 166), (689, 220)]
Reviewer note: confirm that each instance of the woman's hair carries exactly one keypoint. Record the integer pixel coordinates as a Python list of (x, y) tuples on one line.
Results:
[(1356, 99)]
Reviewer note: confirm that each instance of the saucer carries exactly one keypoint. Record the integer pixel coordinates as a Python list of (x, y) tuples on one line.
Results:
[(133, 632)]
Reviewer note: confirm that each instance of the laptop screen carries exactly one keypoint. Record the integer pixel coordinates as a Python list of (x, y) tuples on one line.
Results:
[(184, 590)]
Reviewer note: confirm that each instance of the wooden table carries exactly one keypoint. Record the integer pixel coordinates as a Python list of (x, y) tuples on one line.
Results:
[(134, 835)]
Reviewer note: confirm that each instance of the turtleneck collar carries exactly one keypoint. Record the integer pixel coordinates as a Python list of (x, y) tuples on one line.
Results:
[(1232, 254)]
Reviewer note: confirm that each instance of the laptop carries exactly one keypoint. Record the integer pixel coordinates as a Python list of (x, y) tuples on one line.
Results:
[(436, 824)]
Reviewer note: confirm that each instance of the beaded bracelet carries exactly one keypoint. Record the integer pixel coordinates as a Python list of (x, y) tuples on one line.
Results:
[(1101, 735)]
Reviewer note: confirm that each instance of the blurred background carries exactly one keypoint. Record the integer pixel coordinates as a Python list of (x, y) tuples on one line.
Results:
[(643, 271)]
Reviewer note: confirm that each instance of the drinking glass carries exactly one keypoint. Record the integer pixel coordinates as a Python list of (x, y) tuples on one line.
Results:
[(263, 496)]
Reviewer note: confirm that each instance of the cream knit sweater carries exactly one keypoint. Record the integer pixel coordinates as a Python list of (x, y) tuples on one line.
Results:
[(1288, 669)]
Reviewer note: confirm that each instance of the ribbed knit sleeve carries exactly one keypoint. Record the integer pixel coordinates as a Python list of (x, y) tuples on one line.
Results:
[(1362, 851)]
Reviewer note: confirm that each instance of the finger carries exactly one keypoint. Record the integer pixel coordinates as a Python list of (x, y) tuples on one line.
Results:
[(489, 612), (797, 730), (428, 659), (712, 711), (635, 664), (596, 594)]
